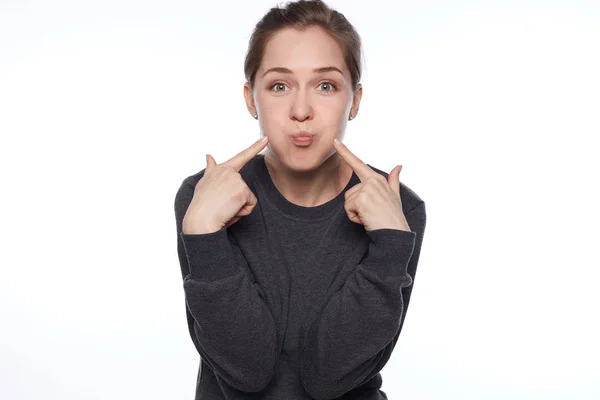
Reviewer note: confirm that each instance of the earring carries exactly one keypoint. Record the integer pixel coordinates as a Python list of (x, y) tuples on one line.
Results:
[(351, 116), (255, 116)]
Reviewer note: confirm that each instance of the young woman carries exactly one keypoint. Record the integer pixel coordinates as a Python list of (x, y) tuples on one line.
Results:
[(298, 264)]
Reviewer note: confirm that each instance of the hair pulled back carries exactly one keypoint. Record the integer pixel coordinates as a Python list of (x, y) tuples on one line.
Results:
[(303, 14)]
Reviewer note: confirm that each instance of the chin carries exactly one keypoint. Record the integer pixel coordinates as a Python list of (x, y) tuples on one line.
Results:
[(307, 162)]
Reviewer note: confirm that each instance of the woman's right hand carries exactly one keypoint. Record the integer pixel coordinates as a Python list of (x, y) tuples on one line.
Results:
[(221, 196)]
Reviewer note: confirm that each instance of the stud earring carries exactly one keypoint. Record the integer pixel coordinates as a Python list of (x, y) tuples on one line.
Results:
[(255, 116)]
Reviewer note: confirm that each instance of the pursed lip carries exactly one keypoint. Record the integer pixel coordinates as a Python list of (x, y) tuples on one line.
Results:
[(302, 134)]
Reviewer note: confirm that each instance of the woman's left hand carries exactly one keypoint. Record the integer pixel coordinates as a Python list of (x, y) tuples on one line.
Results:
[(374, 202)]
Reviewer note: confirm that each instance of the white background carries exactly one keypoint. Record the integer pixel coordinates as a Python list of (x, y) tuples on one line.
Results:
[(492, 107)]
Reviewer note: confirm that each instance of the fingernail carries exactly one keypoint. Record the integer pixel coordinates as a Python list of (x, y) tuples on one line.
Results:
[(336, 141), (264, 139)]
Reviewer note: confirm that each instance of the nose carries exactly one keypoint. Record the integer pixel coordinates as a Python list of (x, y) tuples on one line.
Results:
[(301, 108)]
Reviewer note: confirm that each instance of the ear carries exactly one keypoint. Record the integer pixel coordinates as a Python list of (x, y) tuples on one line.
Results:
[(356, 99), (249, 98)]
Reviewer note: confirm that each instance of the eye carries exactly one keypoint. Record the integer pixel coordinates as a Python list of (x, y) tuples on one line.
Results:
[(277, 86), (328, 86)]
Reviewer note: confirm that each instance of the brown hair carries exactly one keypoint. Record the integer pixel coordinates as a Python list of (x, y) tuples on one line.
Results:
[(301, 15)]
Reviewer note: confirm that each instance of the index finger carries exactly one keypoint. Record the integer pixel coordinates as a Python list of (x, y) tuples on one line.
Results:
[(362, 170), (240, 159)]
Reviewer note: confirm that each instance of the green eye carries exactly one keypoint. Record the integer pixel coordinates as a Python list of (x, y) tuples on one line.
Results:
[(279, 85), (329, 87)]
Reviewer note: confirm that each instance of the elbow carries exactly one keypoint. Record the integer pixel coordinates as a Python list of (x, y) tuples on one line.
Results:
[(332, 388), (258, 374), (328, 381), (260, 379), (266, 369), (319, 388), (321, 392)]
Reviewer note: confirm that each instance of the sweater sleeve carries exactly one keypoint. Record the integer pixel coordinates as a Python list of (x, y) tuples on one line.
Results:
[(230, 324), (353, 336)]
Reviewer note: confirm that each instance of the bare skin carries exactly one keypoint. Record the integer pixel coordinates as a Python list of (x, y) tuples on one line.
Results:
[(321, 185), (302, 99), (221, 196)]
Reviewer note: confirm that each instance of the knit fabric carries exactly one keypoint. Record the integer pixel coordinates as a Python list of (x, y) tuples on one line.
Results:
[(295, 302)]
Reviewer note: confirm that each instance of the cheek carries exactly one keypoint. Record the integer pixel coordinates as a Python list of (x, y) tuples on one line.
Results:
[(336, 108), (272, 125), (273, 115), (330, 113), (334, 116), (265, 102), (270, 111)]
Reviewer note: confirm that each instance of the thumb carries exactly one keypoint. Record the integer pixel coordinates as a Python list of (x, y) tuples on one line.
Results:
[(394, 179), (210, 162)]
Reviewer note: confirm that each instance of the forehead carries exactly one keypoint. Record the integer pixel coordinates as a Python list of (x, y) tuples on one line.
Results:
[(301, 50)]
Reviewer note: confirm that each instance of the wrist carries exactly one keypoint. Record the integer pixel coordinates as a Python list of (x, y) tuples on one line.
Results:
[(401, 225), (200, 228)]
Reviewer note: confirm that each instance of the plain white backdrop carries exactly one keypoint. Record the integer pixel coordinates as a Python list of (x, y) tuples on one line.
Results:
[(493, 108)]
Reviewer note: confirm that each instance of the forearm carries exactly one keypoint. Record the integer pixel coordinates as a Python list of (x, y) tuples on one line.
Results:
[(348, 341), (233, 325)]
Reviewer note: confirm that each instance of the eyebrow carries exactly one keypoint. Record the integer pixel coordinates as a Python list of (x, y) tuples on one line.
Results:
[(316, 70)]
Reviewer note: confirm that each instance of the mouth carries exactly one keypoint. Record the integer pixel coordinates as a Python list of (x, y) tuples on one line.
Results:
[(302, 138), (301, 134)]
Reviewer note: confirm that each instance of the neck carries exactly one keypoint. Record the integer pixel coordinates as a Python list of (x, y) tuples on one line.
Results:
[(309, 188)]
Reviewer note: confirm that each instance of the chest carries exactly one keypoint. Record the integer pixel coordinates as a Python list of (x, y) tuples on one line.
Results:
[(296, 262)]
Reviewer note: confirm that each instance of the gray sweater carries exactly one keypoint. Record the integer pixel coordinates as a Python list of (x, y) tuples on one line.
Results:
[(296, 302)]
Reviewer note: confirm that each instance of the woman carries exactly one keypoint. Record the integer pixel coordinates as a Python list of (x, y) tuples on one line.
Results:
[(297, 264)]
